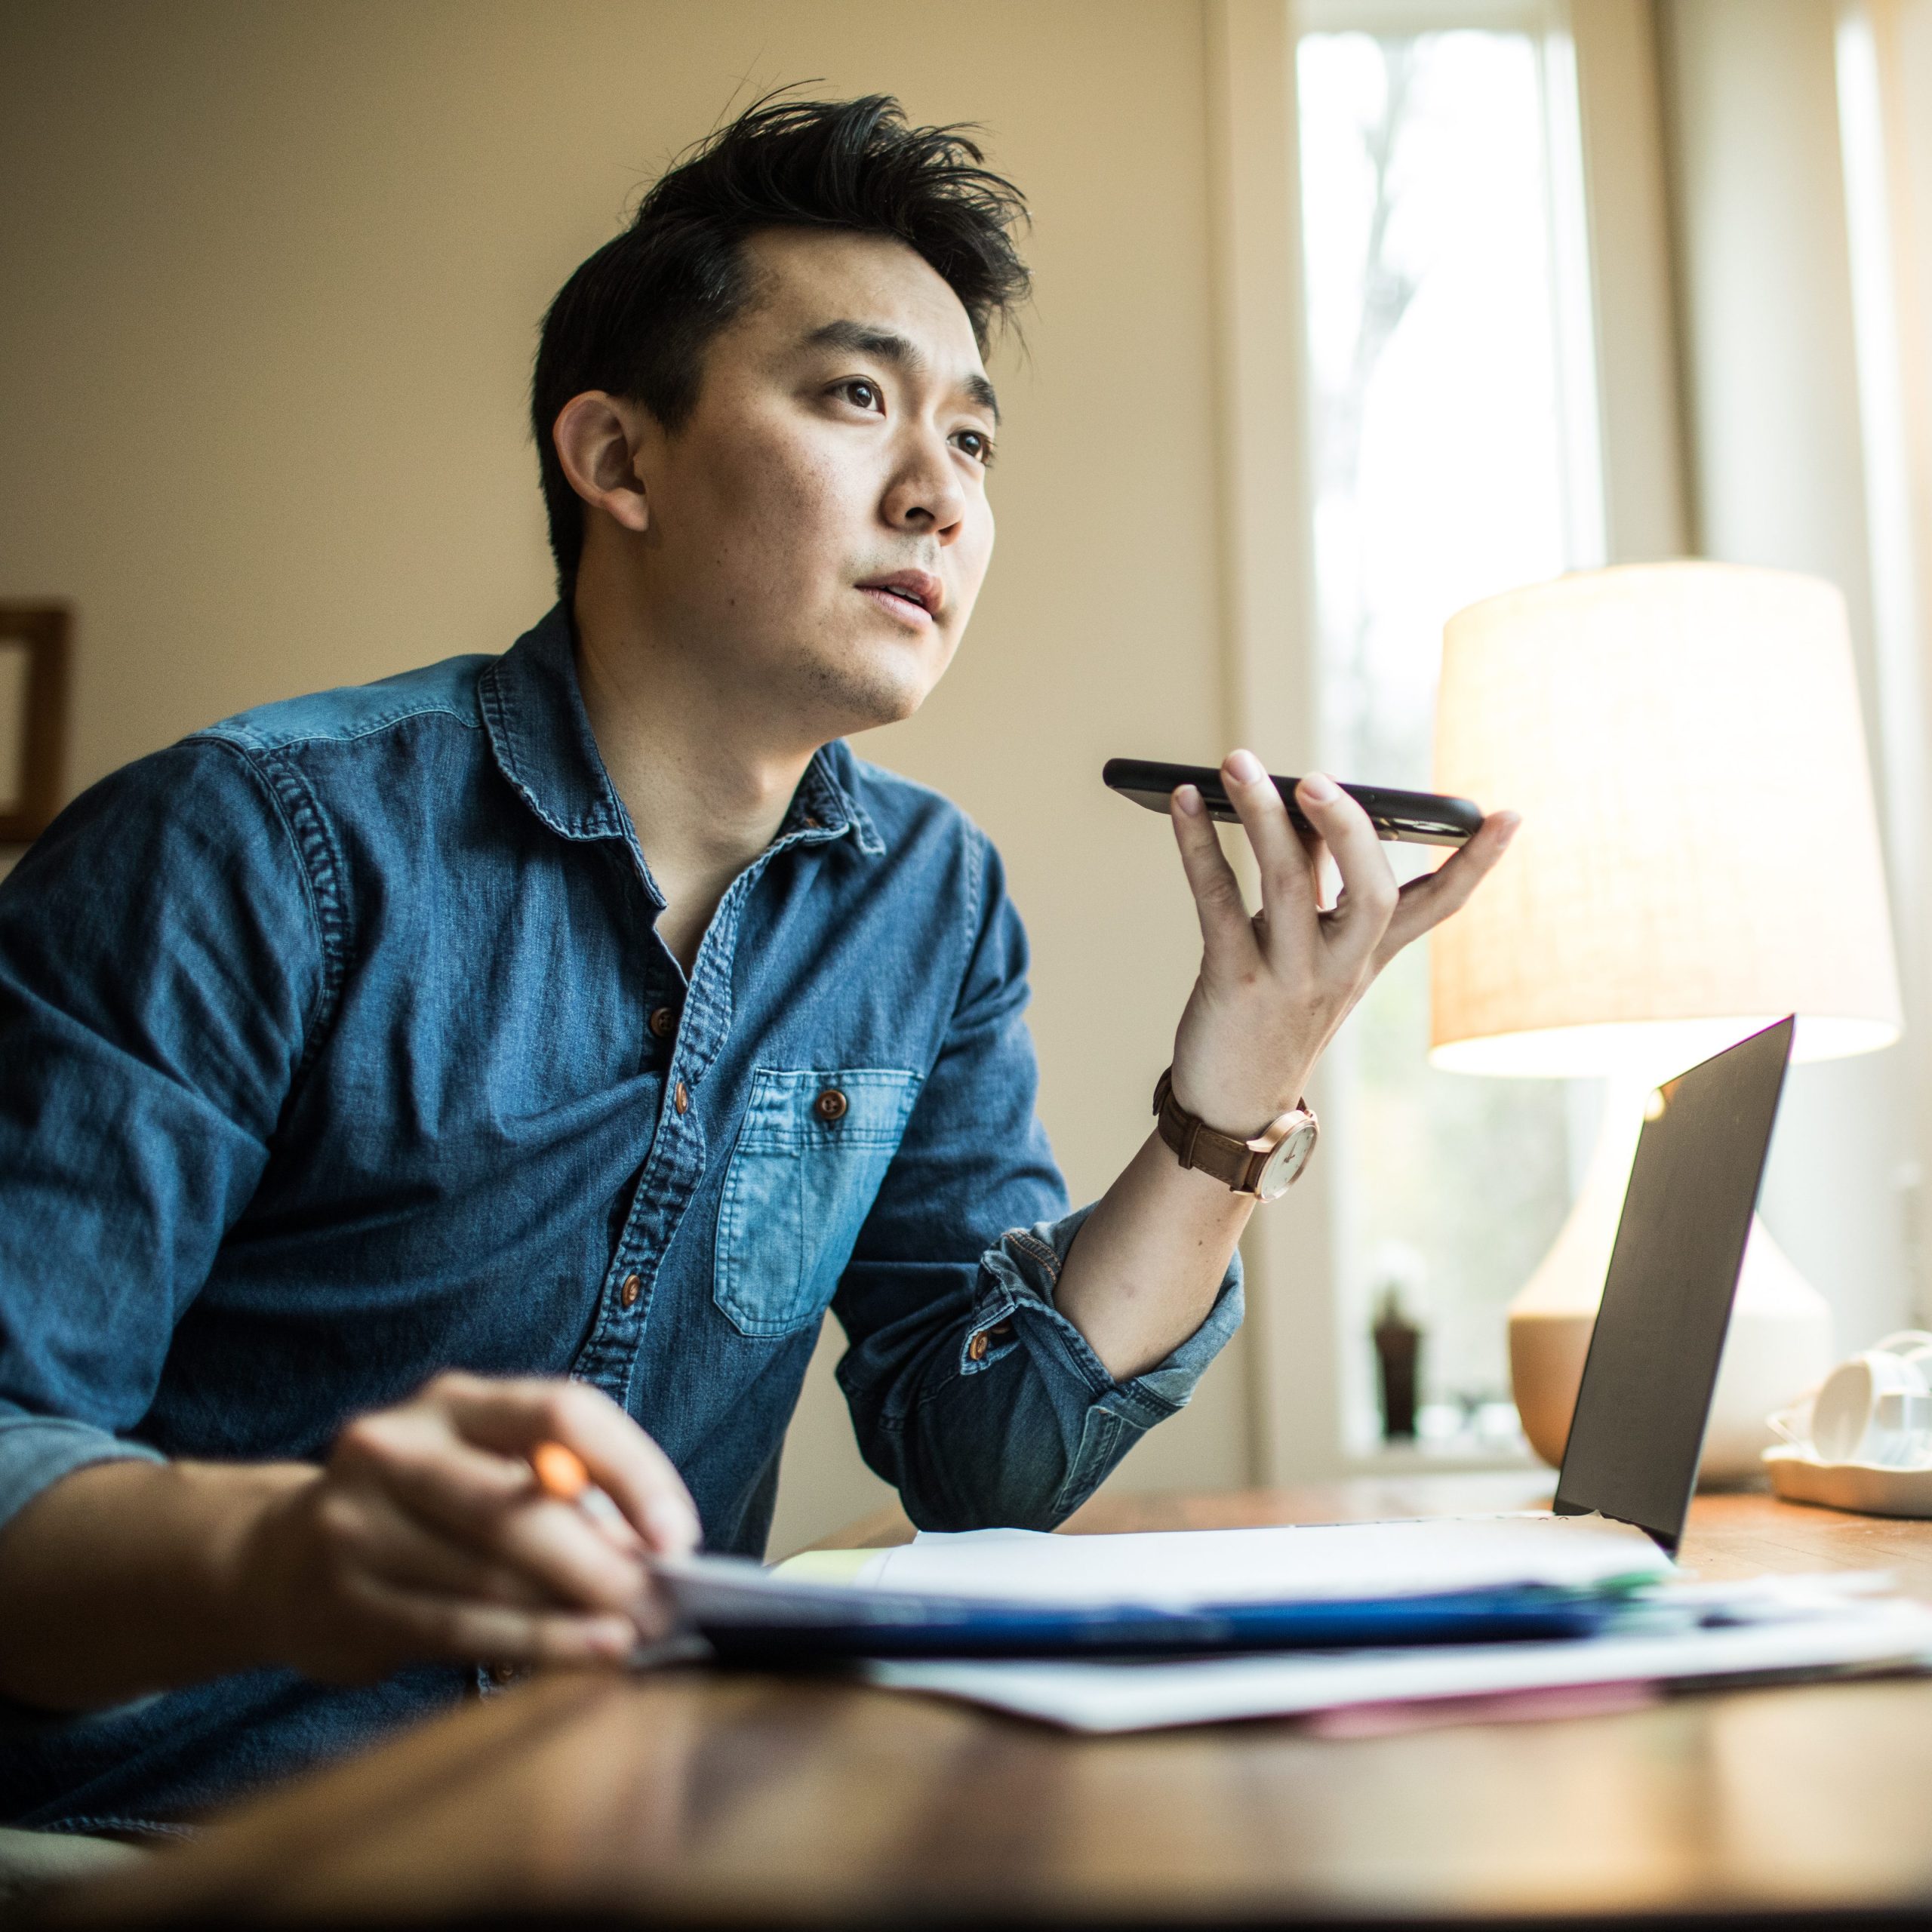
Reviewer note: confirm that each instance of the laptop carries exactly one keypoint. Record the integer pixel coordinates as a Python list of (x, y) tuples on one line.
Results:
[(1638, 1429), (1629, 1471)]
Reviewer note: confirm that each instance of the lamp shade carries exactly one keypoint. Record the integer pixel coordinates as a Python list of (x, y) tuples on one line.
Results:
[(1698, 854)]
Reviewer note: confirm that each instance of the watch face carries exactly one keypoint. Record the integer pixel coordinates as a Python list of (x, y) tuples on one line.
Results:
[(1285, 1163)]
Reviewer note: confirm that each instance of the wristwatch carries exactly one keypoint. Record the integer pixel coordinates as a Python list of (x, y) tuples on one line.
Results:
[(1266, 1167)]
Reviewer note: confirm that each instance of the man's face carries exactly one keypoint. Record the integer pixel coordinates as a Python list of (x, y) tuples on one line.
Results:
[(819, 528)]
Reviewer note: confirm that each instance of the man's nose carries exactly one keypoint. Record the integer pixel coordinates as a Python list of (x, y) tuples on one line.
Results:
[(926, 496)]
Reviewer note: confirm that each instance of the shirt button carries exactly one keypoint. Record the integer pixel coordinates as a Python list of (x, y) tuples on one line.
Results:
[(631, 1289), (680, 1099), (664, 1022), (977, 1348), (505, 1673), (831, 1105)]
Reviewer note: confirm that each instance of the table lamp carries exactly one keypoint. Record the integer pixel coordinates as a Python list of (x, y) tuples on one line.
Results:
[(1699, 856)]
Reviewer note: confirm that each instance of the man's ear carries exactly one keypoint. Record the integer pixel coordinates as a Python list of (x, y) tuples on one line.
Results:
[(598, 439)]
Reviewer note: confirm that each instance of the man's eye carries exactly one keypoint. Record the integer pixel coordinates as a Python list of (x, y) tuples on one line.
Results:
[(976, 444), (861, 394)]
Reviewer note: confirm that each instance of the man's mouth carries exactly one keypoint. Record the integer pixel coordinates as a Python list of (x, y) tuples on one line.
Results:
[(913, 597)]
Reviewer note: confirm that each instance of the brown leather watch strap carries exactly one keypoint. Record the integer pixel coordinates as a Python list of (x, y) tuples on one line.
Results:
[(1265, 1165), (1197, 1145)]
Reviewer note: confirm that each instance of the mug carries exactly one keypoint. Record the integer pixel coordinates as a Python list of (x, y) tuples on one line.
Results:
[(1877, 1407)]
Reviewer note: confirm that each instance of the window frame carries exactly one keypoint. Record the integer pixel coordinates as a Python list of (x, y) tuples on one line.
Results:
[(1299, 1351)]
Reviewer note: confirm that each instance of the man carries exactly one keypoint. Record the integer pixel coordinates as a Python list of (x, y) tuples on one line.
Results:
[(532, 1047)]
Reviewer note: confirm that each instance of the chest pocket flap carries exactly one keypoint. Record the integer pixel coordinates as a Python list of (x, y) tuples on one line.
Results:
[(809, 1158)]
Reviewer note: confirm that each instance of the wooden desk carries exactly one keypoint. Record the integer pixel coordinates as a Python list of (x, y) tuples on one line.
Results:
[(741, 1798)]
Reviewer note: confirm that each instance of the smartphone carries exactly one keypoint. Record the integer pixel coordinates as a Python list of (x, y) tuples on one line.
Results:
[(1418, 818)]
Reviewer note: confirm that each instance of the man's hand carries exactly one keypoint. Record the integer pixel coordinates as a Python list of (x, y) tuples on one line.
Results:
[(1274, 987), (426, 1536)]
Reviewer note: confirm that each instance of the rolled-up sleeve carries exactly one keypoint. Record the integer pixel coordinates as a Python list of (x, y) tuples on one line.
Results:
[(159, 965), (36, 1451), (970, 1392)]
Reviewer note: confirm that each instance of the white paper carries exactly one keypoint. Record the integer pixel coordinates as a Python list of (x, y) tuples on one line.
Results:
[(1302, 1563), (1099, 1698)]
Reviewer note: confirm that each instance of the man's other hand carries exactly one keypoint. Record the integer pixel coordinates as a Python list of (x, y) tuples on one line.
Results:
[(425, 1536), (1274, 986)]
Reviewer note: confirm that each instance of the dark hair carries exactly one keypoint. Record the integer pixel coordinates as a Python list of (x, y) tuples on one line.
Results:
[(634, 319)]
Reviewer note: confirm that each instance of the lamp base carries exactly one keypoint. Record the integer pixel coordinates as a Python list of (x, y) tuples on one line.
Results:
[(1779, 1343)]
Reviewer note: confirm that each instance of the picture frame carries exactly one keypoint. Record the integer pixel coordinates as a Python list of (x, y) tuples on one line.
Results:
[(34, 647)]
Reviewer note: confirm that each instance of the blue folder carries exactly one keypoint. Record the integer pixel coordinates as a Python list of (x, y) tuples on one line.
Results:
[(849, 1624)]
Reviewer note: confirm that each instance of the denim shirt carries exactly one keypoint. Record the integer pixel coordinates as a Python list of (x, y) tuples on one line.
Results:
[(337, 1046)]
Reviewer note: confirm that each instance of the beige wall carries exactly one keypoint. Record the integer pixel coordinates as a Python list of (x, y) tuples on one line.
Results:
[(270, 279)]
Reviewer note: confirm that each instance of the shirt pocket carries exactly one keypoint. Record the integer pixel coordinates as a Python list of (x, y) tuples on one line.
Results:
[(810, 1157)]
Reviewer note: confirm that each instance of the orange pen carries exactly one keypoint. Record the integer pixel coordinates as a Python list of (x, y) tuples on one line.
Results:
[(561, 1473)]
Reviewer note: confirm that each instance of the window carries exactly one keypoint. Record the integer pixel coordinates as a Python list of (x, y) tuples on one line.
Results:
[(1453, 454)]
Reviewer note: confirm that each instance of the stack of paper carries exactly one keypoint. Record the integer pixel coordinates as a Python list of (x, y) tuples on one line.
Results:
[(1002, 1593), (1853, 1635), (1128, 1632)]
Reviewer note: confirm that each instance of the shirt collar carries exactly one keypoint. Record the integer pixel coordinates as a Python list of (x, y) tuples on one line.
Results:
[(823, 807), (540, 732)]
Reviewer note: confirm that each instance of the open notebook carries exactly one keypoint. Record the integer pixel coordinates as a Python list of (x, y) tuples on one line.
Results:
[(1626, 1483)]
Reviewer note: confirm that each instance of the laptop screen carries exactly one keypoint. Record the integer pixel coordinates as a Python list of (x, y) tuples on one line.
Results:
[(1652, 1364)]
